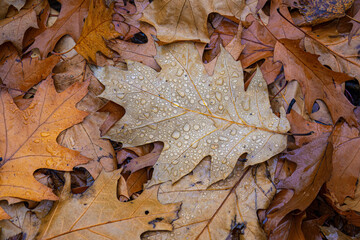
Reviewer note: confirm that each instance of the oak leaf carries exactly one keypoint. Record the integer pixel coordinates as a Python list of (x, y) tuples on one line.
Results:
[(13, 28), (313, 169), (5, 4), (212, 213), (70, 21), (260, 40), (346, 162), (319, 11), (19, 75), (85, 138), (98, 27), (127, 23), (194, 114), (317, 81), (35, 130), (181, 20), (97, 212), (334, 50)]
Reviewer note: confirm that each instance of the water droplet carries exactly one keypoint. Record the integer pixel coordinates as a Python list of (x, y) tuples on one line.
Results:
[(214, 146), (155, 109), (218, 96), (143, 101), (181, 93), (173, 64), (196, 127), (175, 162), (222, 72), (221, 138), (195, 144), (179, 144), (186, 137), (120, 95), (36, 141), (235, 75), (166, 146), (233, 132), (219, 81), (221, 107), (141, 78), (186, 127), (45, 134), (175, 173), (175, 135), (180, 72), (245, 103), (254, 138), (146, 114), (260, 84)]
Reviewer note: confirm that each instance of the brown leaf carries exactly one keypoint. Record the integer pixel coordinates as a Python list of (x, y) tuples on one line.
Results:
[(23, 219), (13, 28), (116, 112), (194, 114), (98, 28), (313, 170), (98, 212), (346, 162), (260, 41), (182, 20), (85, 138), (212, 213), (5, 4), (317, 81), (128, 24), (35, 130), (70, 21), (319, 11), (299, 125), (19, 75)]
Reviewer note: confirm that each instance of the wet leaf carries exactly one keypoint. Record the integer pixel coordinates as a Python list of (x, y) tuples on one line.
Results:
[(35, 130), (70, 21), (212, 213), (13, 28), (97, 212), (19, 75), (98, 28), (317, 81), (194, 114), (181, 20)]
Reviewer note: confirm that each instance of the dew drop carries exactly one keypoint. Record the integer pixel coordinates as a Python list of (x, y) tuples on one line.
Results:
[(175, 162), (196, 127), (233, 132), (186, 127), (219, 81), (221, 138), (36, 141), (166, 146), (120, 95), (181, 93), (45, 134), (175, 134), (180, 72), (218, 96), (173, 64)]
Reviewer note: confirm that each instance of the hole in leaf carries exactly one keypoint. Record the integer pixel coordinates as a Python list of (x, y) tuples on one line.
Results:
[(139, 38), (352, 92), (146, 212), (55, 5)]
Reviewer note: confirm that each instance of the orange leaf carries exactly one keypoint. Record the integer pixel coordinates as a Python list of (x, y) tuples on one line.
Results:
[(28, 139), (98, 28)]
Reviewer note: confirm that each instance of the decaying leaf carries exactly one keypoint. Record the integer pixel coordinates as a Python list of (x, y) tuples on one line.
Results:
[(346, 162), (35, 130), (212, 213), (98, 28), (85, 138), (313, 170), (23, 219), (335, 50), (97, 213), (319, 11), (180, 20), (194, 114), (19, 75), (317, 81), (5, 4), (70, 21), (13, 28)]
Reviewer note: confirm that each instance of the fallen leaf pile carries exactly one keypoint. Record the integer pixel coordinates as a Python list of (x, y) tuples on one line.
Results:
[(179, 119)]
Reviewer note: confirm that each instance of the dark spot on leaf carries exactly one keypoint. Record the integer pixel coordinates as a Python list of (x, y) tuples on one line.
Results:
[(153, 222), (146, 212)]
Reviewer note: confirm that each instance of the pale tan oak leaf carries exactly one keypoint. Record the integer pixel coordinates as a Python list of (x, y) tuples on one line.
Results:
[(211, 213), (98, 214), (194, 114)]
